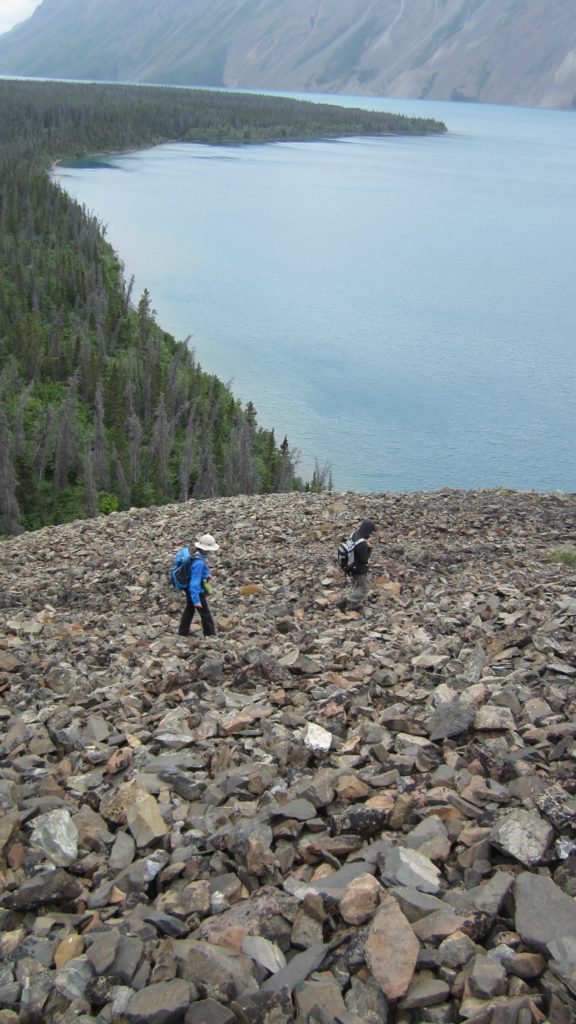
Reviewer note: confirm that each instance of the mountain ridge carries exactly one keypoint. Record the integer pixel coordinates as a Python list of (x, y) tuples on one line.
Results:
[(491, 51)]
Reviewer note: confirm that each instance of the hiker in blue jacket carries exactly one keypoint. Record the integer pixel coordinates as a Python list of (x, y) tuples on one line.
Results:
[(199, 587)]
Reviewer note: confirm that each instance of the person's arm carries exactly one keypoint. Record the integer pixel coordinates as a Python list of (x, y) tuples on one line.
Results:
[(196, 581), (206, 575), (362, 554)]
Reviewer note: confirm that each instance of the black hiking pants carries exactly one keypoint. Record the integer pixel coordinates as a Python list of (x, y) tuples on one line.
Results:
[(208, 627)]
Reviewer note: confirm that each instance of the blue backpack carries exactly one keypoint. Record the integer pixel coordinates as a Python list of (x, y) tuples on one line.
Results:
[(181, 569)]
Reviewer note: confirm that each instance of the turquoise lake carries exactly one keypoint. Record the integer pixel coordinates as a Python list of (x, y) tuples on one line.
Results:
[(402, 308)]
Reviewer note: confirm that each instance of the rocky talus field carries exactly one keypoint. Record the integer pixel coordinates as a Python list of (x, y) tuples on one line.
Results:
[(317, 816)]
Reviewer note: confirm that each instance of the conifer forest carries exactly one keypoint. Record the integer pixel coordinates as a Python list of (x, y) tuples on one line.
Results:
[(100, 409)]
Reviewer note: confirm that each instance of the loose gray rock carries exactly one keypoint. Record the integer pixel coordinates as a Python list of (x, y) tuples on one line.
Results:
[(486, 978), (543, 913), (296, 972), (410, 868), (247, 793), (450, 720), (220, 973), (54, 887), (57, 836), (522, 835), (163, 1003)]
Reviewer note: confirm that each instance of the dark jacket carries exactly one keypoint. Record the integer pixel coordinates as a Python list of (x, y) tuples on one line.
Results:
[(362, 551)]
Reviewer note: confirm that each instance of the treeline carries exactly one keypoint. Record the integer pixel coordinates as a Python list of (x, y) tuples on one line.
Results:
[(101, 409), (71, 119)]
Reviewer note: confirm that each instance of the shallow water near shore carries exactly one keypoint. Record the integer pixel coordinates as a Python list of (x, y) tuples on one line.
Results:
[(402, 308)]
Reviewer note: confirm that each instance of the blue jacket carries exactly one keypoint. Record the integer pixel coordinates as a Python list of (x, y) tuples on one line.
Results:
[(199, 571)]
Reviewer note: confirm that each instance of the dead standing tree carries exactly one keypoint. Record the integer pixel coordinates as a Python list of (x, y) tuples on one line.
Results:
[(9, 509)]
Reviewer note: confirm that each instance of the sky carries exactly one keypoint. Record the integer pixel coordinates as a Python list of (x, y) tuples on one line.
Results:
[(13, 11)]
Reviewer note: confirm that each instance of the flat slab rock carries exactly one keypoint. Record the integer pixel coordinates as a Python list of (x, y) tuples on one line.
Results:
[(543, 912)]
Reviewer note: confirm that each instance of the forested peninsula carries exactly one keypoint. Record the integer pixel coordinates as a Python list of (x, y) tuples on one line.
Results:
[(100, 409)]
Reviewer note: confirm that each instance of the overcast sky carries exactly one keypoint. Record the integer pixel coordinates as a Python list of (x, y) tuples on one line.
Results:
[(13, 11)]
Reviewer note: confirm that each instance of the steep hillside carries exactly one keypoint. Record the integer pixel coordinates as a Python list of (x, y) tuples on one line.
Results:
[(317, 815), (491, 51), (99, 408)]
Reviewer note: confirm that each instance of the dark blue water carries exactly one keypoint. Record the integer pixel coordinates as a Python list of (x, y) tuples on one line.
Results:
[(402, 308)]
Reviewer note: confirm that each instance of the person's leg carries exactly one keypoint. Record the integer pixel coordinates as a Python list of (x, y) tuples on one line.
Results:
[(187, 616), (208, 627), (358, 591)]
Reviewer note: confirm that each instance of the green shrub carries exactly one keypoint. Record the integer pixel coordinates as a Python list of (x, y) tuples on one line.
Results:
[(562, 555), (108, 503)]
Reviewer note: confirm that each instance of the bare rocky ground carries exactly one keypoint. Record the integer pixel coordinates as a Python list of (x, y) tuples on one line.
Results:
[(317, 816)]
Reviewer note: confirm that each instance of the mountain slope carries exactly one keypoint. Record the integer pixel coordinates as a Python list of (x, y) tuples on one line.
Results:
[(496, 51), (368, 798)]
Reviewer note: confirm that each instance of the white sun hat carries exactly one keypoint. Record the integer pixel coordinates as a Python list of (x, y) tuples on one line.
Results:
[(206, 543)]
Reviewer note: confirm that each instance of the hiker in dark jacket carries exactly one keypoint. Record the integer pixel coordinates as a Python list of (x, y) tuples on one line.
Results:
[(362, 551), (198, 588)]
